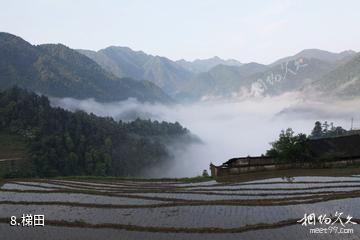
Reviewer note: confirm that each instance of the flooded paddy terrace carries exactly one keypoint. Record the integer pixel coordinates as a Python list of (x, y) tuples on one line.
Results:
[(124, 209)]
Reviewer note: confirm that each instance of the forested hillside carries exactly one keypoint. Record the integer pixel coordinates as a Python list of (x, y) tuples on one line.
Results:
[(76, 143)]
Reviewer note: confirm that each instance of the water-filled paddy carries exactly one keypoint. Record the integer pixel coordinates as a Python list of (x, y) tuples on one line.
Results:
[(173, 210)]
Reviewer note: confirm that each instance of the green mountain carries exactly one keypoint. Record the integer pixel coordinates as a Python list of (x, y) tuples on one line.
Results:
[(56, 70), (124, 62), (215, 78), (318, 54), (171, 76), (222, 81), (255, 79), (288, 76), (121, 61), (343, 81), (204, 65)]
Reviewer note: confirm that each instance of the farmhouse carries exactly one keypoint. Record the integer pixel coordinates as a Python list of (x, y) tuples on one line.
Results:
[(327, 152)]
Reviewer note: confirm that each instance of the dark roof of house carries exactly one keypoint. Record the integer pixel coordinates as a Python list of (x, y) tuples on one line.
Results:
[(346, 146), (246, 158), (341, 146)]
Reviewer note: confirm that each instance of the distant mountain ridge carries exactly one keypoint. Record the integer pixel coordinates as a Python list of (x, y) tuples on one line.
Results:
[(215, 78), (318, 54), (56, 70), (221, 81), (118, 73), (342, 81), (170, 75), (204, 65), (124, 62), (253, 79), (288, 76)]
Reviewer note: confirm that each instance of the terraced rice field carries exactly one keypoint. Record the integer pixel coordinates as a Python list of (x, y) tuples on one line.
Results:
[(124, 209)]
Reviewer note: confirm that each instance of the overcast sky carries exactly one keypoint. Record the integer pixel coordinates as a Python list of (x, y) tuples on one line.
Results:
[(253, 30)]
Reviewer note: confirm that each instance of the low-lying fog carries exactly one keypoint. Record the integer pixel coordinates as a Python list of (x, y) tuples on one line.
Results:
[(227, 129)]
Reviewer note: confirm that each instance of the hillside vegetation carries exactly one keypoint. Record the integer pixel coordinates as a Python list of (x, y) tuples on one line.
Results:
[(14, 155), (63, 143)]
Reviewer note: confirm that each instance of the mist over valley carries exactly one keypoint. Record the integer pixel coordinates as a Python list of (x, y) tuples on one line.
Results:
[(174, 120), (226, 129), (234, 108)]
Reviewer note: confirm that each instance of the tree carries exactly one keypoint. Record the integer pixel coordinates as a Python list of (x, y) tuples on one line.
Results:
[(339, 131), (289, 147), (317, 130), (326, 130)]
